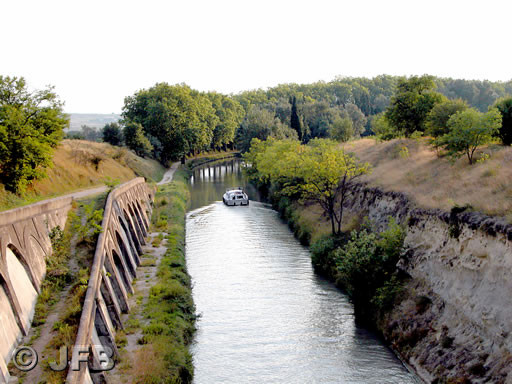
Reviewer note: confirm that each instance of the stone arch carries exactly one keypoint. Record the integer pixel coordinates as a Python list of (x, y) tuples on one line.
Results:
[(143, 216), (136, 223), (133, 231), (24, 264), (40, 255), (116, 284), (10, 322), (130, 263), (121, 270), (23, 286), (130, 236), (140, 219)]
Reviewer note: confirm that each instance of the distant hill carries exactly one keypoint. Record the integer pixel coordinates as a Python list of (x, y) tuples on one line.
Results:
[(95, 120)]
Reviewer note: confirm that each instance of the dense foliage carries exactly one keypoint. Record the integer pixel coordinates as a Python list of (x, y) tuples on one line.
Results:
[(320, 172), (178, 120), (261, 124), (367, 263), (409, 107), (134, 139), (112, 134), (504, 106), (31, 126)]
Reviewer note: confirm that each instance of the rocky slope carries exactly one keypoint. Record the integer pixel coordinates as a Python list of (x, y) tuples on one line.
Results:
[(453, 322)]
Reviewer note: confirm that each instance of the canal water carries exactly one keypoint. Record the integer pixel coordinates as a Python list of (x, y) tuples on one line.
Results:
[(265, 317)]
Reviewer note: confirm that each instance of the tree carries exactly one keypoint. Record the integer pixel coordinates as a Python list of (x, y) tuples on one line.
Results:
[(135, 140), (382, 129), (342, 129), (295, 122), (261, 124), (505, 130), (112, 134), (320, 172), (437, 119), (469, 130), (176, 119), (90, 133), (230, 114), (413, 100), (358, 118), (31, 126)]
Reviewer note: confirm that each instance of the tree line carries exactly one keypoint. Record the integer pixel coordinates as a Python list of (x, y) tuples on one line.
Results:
[(417, 109), (169, 122)]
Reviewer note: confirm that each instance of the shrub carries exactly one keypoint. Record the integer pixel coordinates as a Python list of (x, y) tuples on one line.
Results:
[(366, 266), (322, 254)]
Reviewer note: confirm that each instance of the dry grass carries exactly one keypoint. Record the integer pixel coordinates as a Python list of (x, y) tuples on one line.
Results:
[(80, 164), (437, 182)]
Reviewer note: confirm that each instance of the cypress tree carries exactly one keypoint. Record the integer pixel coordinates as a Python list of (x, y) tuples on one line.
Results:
[(294, 119)]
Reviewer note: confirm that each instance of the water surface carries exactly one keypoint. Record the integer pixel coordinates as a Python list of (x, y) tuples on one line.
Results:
[(265, 316)]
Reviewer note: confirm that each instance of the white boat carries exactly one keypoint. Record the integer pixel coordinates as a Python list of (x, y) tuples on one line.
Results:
[(235, 196)]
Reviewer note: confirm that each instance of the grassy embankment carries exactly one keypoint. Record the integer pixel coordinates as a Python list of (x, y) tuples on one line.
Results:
[(435, 182), (164, 357), (80, 164)]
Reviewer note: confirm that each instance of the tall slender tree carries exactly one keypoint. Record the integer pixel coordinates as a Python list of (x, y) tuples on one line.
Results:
[(295, 122)]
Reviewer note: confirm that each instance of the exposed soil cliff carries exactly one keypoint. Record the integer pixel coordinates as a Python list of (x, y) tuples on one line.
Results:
[(453, 323)]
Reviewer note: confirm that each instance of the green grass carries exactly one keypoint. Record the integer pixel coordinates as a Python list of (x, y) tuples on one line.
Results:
[(164, 356)]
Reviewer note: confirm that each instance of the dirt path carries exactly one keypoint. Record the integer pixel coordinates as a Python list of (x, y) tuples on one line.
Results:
[(168, 175)]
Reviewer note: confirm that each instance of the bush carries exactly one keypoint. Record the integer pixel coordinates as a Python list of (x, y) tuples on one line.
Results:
[(322, 254), (367, 265)]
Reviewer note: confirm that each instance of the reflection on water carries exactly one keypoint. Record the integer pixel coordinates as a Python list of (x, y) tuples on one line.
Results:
[(265, 316)]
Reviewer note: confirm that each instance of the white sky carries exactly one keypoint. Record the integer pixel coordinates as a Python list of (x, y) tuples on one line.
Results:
[(98, 52)]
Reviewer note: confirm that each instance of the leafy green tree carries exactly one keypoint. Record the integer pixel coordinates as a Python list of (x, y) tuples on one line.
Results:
[(437, 119), (382, 129), (134, 138), (342, 129), (505, 130), (295, 122), (469, 130), (176, 119), (413, 100), (358, 118), (31, 126), (112, 134), (260, 123), (320, 172), (230, 115)]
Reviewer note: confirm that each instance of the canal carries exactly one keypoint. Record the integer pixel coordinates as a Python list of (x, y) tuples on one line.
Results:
[(265, 317)]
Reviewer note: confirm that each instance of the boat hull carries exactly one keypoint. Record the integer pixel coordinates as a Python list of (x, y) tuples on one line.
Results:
[(232, 203)]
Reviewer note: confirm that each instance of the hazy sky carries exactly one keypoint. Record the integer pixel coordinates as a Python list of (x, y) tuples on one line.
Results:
[(98, 52)]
